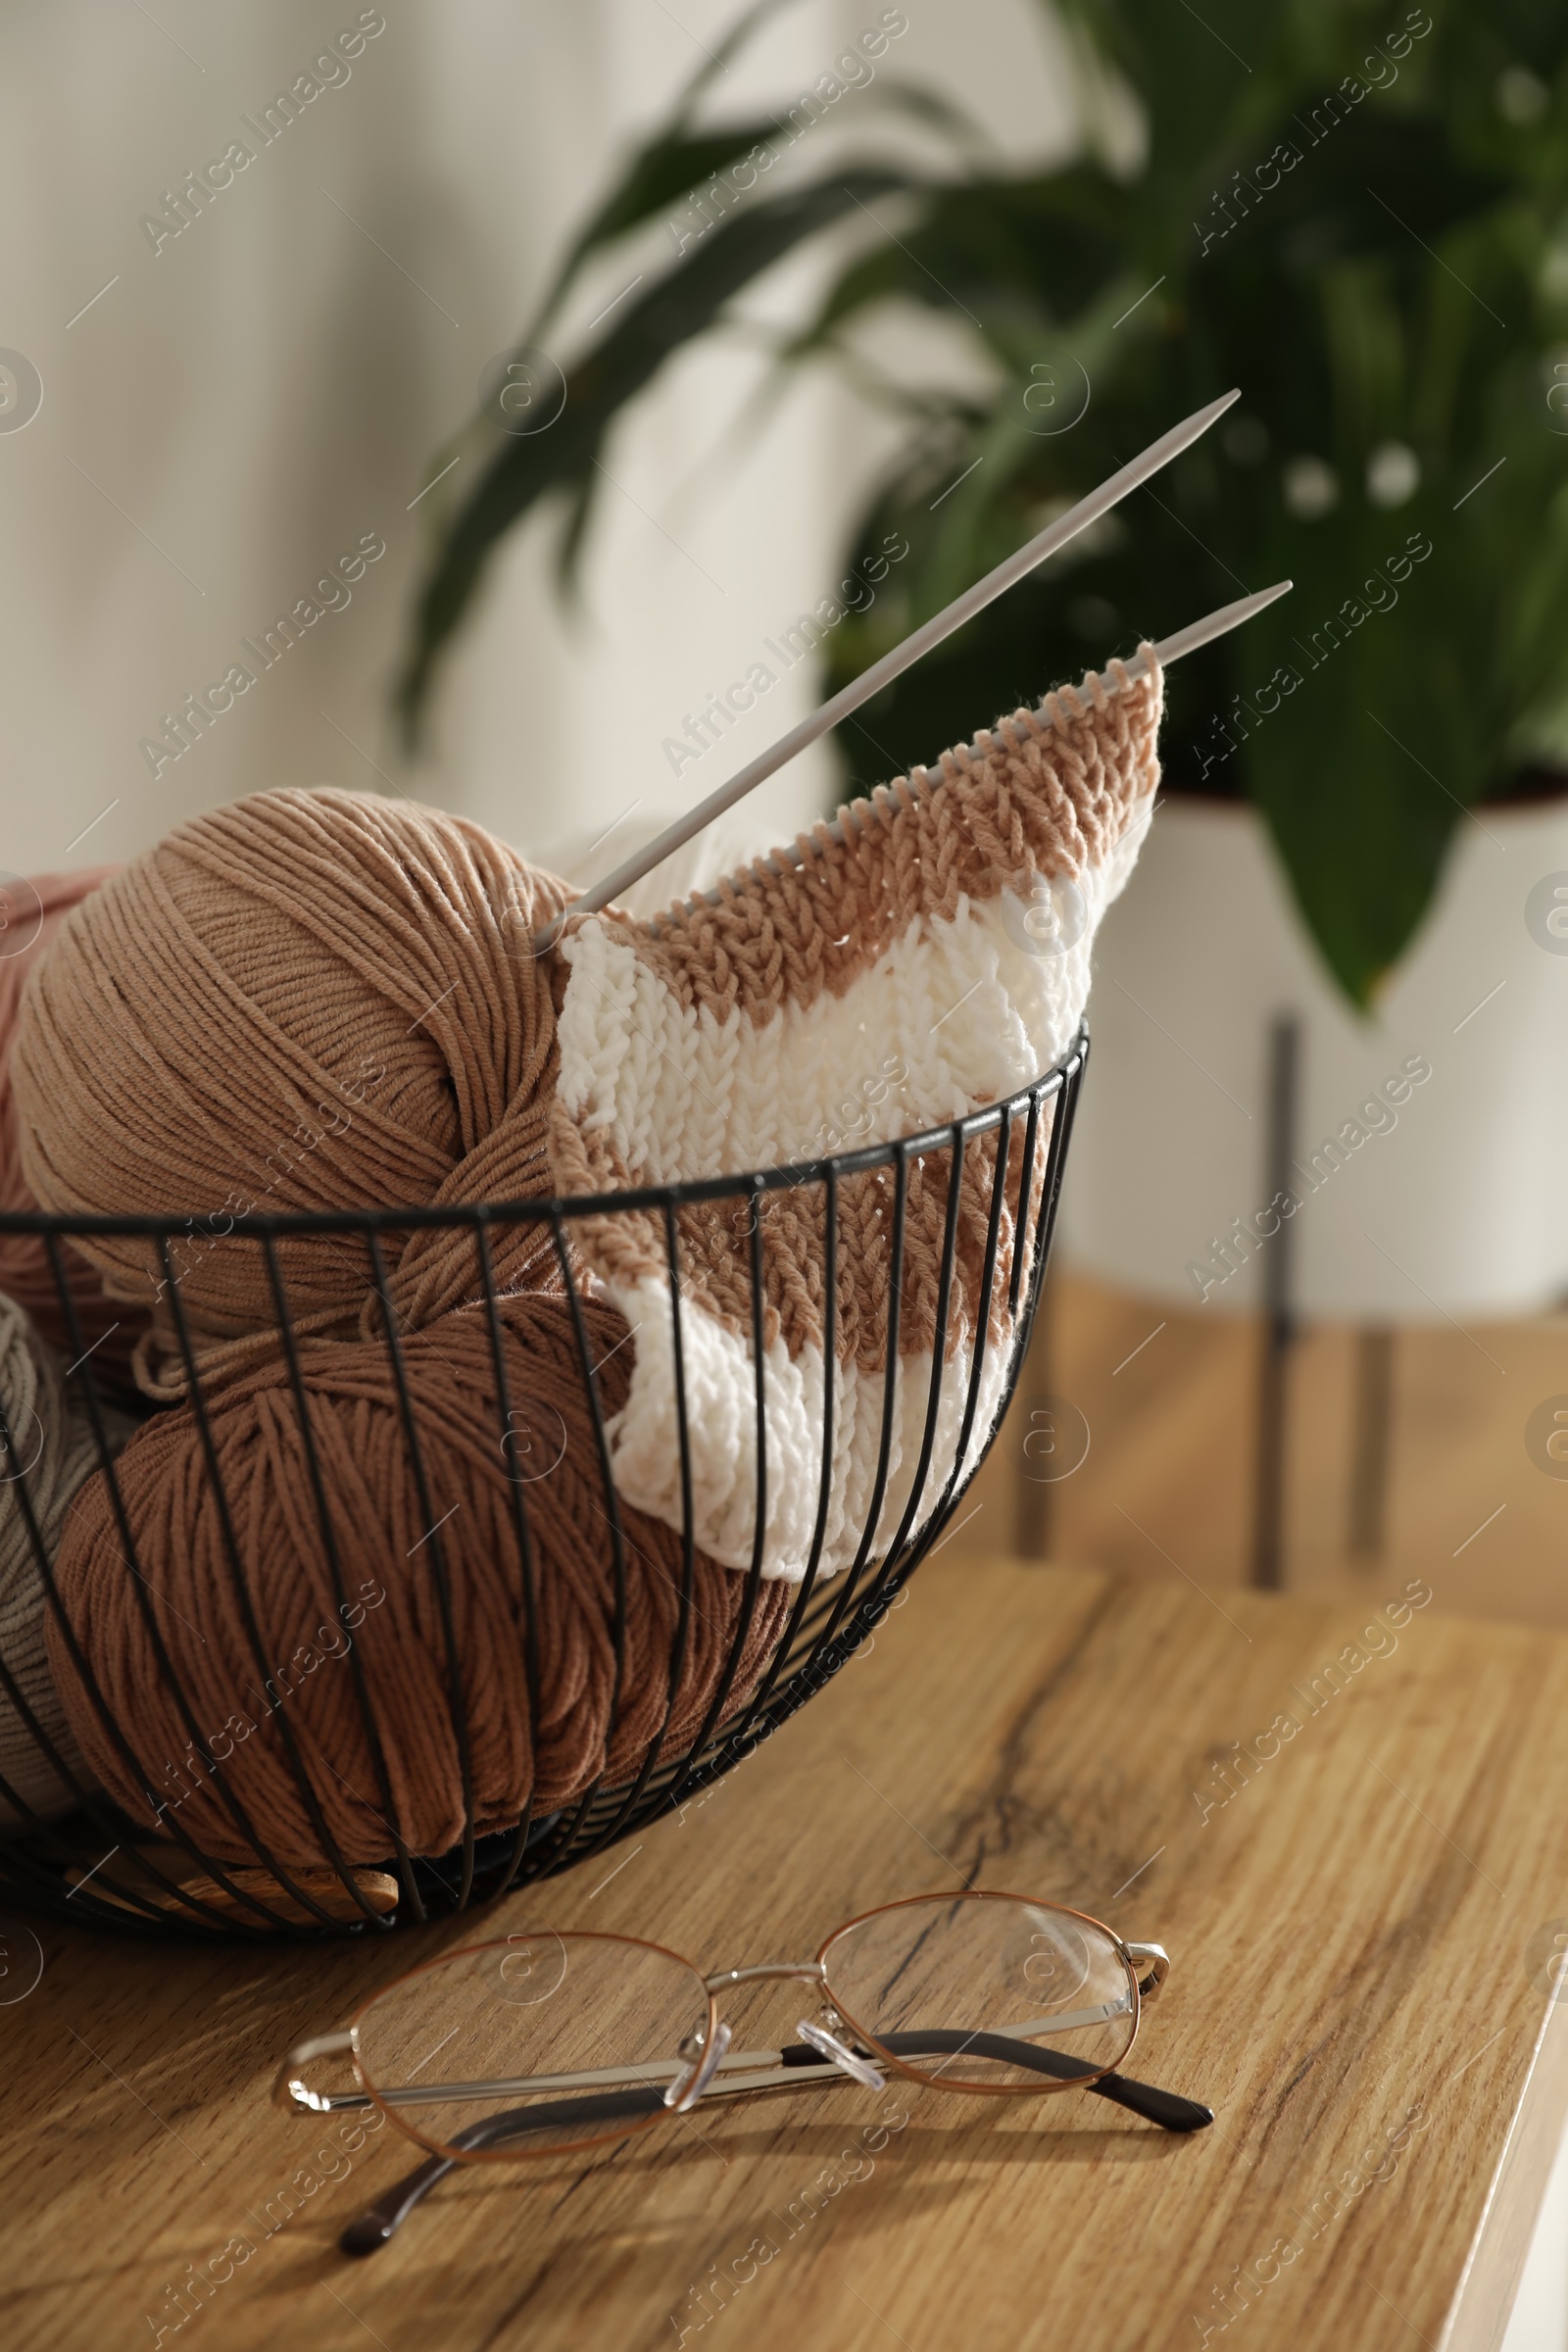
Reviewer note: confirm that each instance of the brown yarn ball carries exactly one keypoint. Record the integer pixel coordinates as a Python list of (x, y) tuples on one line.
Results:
[(321, 1000), (303, 1001), (392, 1622), (31, 912)]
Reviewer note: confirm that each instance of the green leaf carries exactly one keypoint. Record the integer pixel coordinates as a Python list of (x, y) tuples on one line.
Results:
[(659, 175), (681, 306), (934, 108), (674, 159), (1366, 764)]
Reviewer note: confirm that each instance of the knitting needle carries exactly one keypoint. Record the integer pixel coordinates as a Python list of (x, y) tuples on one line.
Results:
[(1169, 649), (893, 664)]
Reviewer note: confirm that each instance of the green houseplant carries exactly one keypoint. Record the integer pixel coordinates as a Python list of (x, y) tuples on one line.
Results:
[(1359, 214)]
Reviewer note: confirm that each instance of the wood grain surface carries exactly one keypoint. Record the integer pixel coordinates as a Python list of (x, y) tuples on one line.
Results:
[(1169, 1397), (1357, 1932)]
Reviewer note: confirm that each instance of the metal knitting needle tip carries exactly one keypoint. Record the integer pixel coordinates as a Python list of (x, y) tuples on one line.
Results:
[(1007, 575), (1218, 623), (1215, 625)]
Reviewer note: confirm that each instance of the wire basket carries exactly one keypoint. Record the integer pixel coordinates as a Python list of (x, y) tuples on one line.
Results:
[(96, 1865)]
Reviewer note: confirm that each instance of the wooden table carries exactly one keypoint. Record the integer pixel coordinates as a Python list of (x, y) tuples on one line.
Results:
[(1356, 1934)]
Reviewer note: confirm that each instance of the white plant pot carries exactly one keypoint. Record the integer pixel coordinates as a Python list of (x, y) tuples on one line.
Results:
[(1456, 1205)]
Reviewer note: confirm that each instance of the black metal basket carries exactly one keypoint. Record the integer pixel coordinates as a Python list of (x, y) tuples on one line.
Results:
[(94, 1865)]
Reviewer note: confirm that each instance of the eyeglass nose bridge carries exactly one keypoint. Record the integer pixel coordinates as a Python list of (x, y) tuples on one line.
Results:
[(810, 1972), (295, 2096), (1153, 1958)]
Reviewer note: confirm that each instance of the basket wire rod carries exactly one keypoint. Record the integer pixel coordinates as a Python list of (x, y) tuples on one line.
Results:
[(688, 1513), (91, 1797), (575, 1835), (18, 1483), (903, 1548), (897, 1569), (1056, 1158), (253, 1632), (742, 1737), (37, 1874), (1051, 1190), (1066, 1111), (95, 1905), (901, 1568), (805, 1621), (896, 1572), (314, 1224), (677, 1653), (1050, 1116), (939, 1350), (1026, 1170), (431, 1544), (1034, 1235), (14, 1693), (604, 1812), (677, 1779), (956, 1480), (892, 1333), (753, 1578), (830, 1300), (334, 1570), (957, 1484), (526, 1552)]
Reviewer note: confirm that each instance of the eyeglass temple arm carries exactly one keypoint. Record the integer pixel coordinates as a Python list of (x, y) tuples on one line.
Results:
[(387, 2215), (375, 2227), (1163, 2107)]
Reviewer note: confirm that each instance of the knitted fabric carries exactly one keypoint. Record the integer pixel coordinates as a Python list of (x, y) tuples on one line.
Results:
[(945, 935)]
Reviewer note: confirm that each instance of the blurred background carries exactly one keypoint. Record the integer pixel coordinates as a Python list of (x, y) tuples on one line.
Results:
[(490, 387)]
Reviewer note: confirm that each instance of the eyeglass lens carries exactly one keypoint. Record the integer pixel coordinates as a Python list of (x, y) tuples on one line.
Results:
[(468, 2053), (986, 1992)]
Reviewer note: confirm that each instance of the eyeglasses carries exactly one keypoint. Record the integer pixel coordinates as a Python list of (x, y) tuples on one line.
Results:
[(591, 2039)]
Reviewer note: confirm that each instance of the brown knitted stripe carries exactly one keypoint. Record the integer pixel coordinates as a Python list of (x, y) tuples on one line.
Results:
[(716, 1258), (1026, 799)]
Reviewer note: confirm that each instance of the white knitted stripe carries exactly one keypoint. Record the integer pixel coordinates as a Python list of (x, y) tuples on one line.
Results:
[(966, 1008), (953, 1016), (721, 1430)]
